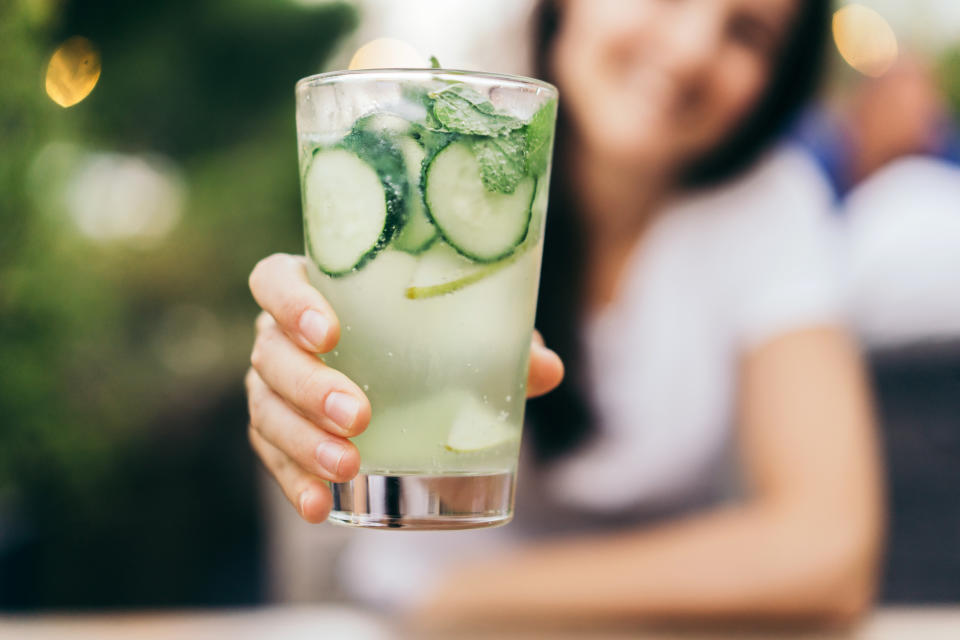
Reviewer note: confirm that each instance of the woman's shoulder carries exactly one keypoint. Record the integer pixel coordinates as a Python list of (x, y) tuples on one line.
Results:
[(767, 244), (784, 187), (782, 206)]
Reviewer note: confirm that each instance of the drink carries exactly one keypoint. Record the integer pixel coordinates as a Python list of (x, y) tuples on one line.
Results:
[(424, 205)]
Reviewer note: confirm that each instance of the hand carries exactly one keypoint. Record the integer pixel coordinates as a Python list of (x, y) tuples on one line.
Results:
[(302, 412)]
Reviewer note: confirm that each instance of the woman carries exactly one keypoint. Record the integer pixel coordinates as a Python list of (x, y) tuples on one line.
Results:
[(694, 322)]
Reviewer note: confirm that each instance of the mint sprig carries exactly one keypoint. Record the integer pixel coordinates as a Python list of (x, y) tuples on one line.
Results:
[(461, 109), (502, 160), (507, 148), (506, 159)]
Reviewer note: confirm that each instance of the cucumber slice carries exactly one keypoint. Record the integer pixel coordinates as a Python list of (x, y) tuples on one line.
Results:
[(538, 214), (346, 212), (418, 232), (475, 428), (442, 270), (482, 225), (379, 150)]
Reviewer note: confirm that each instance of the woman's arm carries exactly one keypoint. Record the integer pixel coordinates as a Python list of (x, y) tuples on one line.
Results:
[(804, 545)]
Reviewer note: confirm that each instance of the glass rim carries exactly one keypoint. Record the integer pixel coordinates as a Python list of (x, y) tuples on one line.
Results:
[(319, 79)]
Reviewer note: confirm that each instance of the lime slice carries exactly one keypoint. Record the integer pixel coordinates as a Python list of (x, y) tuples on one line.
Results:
[(476, 427), (442, 270)]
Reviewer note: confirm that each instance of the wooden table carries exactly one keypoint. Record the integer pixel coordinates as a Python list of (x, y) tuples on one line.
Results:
[(328, 621)]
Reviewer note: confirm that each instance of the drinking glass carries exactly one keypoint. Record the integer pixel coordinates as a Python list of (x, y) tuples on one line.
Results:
[(424, 196)]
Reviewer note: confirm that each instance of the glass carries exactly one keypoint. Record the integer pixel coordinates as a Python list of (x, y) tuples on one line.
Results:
[(424, 198)]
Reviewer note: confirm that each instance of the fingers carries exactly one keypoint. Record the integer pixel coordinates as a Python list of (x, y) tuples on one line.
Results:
[(313, 450), (280, 286), (309, 496), (324, 396), (546, 369)]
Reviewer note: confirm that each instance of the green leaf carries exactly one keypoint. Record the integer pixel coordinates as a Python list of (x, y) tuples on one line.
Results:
[(540, 138), (431, 122), (502, 159), (505, 159), (434, 63), (463, 110)]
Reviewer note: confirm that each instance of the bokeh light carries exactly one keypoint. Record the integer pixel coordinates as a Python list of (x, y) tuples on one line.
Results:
[(73, 71), (122, 197), (865, 39), (388, 53)]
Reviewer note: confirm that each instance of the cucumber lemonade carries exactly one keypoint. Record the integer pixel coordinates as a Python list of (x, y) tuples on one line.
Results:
[(423, 222)]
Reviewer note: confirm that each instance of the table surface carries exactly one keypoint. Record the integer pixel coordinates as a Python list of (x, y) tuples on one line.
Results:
[(330, 621)]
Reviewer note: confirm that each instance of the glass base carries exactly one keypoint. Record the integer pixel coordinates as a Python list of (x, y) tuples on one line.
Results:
[(424, 502)]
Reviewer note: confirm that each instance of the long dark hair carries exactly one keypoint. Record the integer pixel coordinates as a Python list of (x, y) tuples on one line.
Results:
[(562, 419)]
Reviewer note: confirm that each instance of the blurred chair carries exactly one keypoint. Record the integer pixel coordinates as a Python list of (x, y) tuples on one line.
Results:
[(918, 392)]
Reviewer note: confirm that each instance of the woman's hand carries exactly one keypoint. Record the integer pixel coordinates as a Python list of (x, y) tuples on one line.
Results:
[(302, 412)]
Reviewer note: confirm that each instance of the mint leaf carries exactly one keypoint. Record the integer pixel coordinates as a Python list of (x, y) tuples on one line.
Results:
[(461, 109), (503, 161), (431, 120), (540, 138), (434, 63)]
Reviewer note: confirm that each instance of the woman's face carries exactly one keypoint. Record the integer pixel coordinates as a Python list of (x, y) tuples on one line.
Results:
[(659, 83)]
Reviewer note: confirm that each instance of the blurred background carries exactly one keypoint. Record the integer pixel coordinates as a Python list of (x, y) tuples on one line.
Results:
[(147, 161)]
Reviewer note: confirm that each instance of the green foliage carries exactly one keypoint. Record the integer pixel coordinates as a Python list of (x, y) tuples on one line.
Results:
[(950, 76), (83, 323)]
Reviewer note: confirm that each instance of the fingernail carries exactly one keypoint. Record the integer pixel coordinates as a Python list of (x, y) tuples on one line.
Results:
[(314, 327), (329, 455), (342, 409), (542, 349), (304, 498)]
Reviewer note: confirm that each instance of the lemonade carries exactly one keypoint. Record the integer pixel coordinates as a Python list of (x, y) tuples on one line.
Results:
[(423, 222)]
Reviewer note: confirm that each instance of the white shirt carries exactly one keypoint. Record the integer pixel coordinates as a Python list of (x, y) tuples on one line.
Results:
[(717, 274), (903, 253)]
